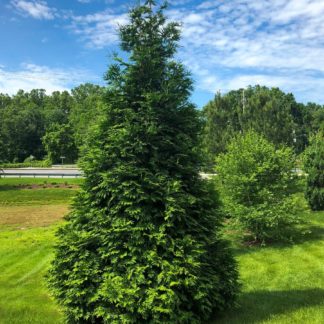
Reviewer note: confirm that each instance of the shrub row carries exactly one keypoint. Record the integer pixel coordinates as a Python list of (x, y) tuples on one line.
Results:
[(35, 164)]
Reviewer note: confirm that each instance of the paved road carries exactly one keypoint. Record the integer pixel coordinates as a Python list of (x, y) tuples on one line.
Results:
[(54, 172), (42, 172)]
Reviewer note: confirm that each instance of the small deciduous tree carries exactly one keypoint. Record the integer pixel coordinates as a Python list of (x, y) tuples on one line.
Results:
[(314, 167), (256, 181), (142, 244)]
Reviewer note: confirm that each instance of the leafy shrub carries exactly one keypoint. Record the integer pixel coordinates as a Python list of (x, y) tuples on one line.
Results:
[(142, 243), (256, 181), (314, 167)]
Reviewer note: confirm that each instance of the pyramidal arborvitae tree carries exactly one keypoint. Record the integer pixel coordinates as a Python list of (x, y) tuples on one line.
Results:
[(141, 244)]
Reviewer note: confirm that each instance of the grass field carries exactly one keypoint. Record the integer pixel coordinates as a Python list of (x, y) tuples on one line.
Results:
[(29, 212), (282, 283)]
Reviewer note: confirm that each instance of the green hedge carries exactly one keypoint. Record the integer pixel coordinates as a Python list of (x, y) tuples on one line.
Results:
[(35, 164)]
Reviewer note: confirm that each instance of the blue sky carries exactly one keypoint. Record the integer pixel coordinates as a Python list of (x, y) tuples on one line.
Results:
[(226, 44)]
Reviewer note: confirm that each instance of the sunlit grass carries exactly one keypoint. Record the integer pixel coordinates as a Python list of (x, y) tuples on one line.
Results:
[(24, 258), (283, 283)]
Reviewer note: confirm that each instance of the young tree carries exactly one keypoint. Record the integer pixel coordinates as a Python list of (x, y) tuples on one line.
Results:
[(314, 167), (141, 244), (256, 181)]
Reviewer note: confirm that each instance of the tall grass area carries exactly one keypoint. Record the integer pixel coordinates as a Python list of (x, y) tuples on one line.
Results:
[(281, 283)]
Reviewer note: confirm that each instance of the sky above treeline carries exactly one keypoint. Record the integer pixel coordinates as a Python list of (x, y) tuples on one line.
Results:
[(226, 44)]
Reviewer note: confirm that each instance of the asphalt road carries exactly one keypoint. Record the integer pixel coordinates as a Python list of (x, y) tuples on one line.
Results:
[(41, 173), (54, 172)]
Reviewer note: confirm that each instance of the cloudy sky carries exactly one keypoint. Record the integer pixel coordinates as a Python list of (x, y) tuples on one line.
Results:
[(226, 44)]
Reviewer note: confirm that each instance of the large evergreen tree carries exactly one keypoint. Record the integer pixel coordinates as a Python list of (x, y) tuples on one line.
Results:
[(141, 244)]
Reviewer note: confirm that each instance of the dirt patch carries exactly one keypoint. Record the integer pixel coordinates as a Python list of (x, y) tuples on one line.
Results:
[(47, 185), (32, 216)]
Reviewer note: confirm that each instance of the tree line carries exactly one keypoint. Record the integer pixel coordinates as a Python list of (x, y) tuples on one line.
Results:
[(34, 125)]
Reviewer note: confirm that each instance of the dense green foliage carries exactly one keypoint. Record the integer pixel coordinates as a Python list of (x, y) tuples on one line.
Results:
[(26, 117), (314, 167), (88, 107), (270, 112), (141, 244), (59, 143), (256, 178)]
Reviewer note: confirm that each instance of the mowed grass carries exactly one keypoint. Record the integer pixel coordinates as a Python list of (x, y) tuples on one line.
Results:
[(28, 219), (282, 283), (24, 258)]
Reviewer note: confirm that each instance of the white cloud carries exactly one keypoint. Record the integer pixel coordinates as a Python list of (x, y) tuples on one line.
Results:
[(32, 76), (242, 42), (35, 8), (100, 29)]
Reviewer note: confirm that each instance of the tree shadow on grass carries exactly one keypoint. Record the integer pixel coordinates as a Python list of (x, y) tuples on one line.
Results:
[(258, 306), (294, 237), (314, 233)]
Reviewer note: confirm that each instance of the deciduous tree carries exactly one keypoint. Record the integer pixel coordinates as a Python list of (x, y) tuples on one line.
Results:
[(257, 182)]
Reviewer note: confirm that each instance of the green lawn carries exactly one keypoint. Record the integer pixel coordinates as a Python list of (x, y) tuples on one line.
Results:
[(12, 182), (24, 258), (280, 283), (283, 283)]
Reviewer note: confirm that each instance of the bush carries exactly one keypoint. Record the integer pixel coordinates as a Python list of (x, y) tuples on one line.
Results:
[(314, 167), (142, 243), (256, 186)]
